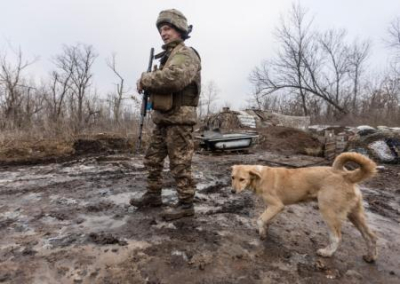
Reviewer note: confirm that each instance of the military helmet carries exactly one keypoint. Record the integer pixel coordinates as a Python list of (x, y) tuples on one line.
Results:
[(175, 18)]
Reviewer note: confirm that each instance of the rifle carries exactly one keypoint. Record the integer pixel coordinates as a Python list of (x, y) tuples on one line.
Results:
[(143, 110)]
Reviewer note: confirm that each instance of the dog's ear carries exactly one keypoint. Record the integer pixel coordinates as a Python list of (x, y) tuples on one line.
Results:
[(255, 173)]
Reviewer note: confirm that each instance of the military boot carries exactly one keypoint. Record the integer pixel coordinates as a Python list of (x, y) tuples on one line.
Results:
[(149, 199), (180, 210)]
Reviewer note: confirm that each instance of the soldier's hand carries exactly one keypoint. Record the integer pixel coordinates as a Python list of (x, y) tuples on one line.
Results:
[(139, 86)]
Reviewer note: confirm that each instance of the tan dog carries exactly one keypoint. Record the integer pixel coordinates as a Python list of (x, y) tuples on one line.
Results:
[(334, 187)]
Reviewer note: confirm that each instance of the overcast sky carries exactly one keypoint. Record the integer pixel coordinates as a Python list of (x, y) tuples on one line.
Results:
[(232, 36)]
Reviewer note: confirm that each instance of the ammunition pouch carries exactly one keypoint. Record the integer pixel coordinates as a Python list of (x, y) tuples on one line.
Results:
[(162, 102), (189, 96)]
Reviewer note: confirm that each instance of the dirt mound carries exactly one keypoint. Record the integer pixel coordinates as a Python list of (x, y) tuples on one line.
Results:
[(102, 143), (16, 152), (274, 138), (32, 152), (286, 139)]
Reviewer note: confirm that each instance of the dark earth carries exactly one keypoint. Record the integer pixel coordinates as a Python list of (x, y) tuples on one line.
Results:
[(70, 222)]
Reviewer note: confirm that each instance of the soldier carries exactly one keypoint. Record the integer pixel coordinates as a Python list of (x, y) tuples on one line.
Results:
[(175, 91)]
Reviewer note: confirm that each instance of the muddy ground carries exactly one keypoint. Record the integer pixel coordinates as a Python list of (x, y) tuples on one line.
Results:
[(70, 222)]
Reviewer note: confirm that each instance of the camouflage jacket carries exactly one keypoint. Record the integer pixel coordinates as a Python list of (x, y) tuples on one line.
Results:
[(179, 72)]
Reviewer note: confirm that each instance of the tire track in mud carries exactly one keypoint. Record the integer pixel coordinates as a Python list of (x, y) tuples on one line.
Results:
[(384, 204)]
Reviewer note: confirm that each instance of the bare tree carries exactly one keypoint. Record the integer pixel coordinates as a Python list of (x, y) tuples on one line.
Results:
[(117, 97), (357, 57), (60, 86), (256, 99), (391, 83), (76, 62), (394, 35), (33, 103), (295, 36), (14, 87), (332, 44), (308, 64), (209, 95), (200, 106), (270, 102), (93, 112), (393, 41)]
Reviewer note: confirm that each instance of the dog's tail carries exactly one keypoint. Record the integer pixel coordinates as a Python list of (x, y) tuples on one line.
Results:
[(366, 170)]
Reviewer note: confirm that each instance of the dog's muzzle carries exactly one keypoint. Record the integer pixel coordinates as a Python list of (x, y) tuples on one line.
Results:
[(233, 190)]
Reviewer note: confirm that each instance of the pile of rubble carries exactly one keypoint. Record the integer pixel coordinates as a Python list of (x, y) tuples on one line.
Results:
[(381, 143), (268, 131), (229, 120), (293, 134)]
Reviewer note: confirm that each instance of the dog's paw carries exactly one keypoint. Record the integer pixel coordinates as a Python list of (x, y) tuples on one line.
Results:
[(263, 233), (262, 229), (324, 252)]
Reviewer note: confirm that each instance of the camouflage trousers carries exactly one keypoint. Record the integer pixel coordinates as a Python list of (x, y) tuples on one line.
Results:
[(176, 142)]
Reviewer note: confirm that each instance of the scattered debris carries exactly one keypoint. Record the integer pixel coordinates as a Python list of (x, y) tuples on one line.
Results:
[(253, 118), (381, 144)]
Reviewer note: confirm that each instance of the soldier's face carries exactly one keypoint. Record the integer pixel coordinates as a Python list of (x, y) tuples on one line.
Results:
[(169, 34)]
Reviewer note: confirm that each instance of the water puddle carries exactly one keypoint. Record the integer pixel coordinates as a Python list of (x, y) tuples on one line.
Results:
[(123, 198), (99, 223)]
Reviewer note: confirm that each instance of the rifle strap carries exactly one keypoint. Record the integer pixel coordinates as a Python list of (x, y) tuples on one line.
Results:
[(197, 53)]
